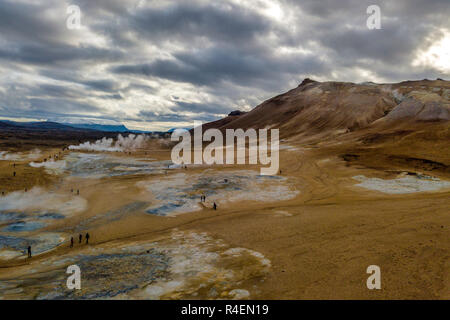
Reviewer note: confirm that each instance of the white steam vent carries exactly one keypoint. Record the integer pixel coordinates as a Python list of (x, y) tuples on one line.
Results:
[(129, 143)]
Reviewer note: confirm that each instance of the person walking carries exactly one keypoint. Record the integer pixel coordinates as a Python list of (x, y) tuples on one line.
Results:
[(29, 251), (71, 242), (80, 237), (87, 238), (215, 206)]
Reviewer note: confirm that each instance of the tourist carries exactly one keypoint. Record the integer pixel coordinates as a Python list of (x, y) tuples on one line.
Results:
[(71, 242), (87, 238), (215, 206), (80, 237), (29, 251)]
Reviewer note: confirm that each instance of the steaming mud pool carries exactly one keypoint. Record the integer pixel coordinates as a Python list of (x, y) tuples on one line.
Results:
[(403, 184), (180, 193), (181, 264), (98, 165)]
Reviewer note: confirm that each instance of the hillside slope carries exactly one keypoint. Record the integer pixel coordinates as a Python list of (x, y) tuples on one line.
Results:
[(333, 108), (403, 126)]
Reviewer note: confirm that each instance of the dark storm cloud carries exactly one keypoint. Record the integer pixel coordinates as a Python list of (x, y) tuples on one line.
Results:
[(56, 105), (229, 24), (136, 56), (183, 22), (72, 77), (70, 92), (211, 67), (208, 108), (367, 44), (101, 85), (22, 22), (58, 91), (45, 107), (41, 55)]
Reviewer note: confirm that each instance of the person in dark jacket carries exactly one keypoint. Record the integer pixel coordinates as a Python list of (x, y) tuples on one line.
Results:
[(87, 238)]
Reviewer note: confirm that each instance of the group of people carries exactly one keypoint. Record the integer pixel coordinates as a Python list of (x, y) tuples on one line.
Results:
[(80, 239)]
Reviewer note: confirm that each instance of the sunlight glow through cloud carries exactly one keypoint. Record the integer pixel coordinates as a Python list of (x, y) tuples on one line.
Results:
[(437, 55)]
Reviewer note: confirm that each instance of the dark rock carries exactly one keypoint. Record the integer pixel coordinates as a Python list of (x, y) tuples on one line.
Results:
[(307, 81), (237, 113)]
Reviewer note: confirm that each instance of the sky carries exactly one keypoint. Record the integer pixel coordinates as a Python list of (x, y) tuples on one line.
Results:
[(156, 65)]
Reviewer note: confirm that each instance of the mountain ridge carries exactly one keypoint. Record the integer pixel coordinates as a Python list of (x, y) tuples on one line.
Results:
[(333, 108)]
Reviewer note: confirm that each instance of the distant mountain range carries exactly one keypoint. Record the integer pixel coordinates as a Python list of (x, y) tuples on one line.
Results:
[(36, 126), (99, 127), (50, 125)]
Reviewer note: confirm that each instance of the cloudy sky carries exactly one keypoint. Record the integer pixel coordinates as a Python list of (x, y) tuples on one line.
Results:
[(155, 65)]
